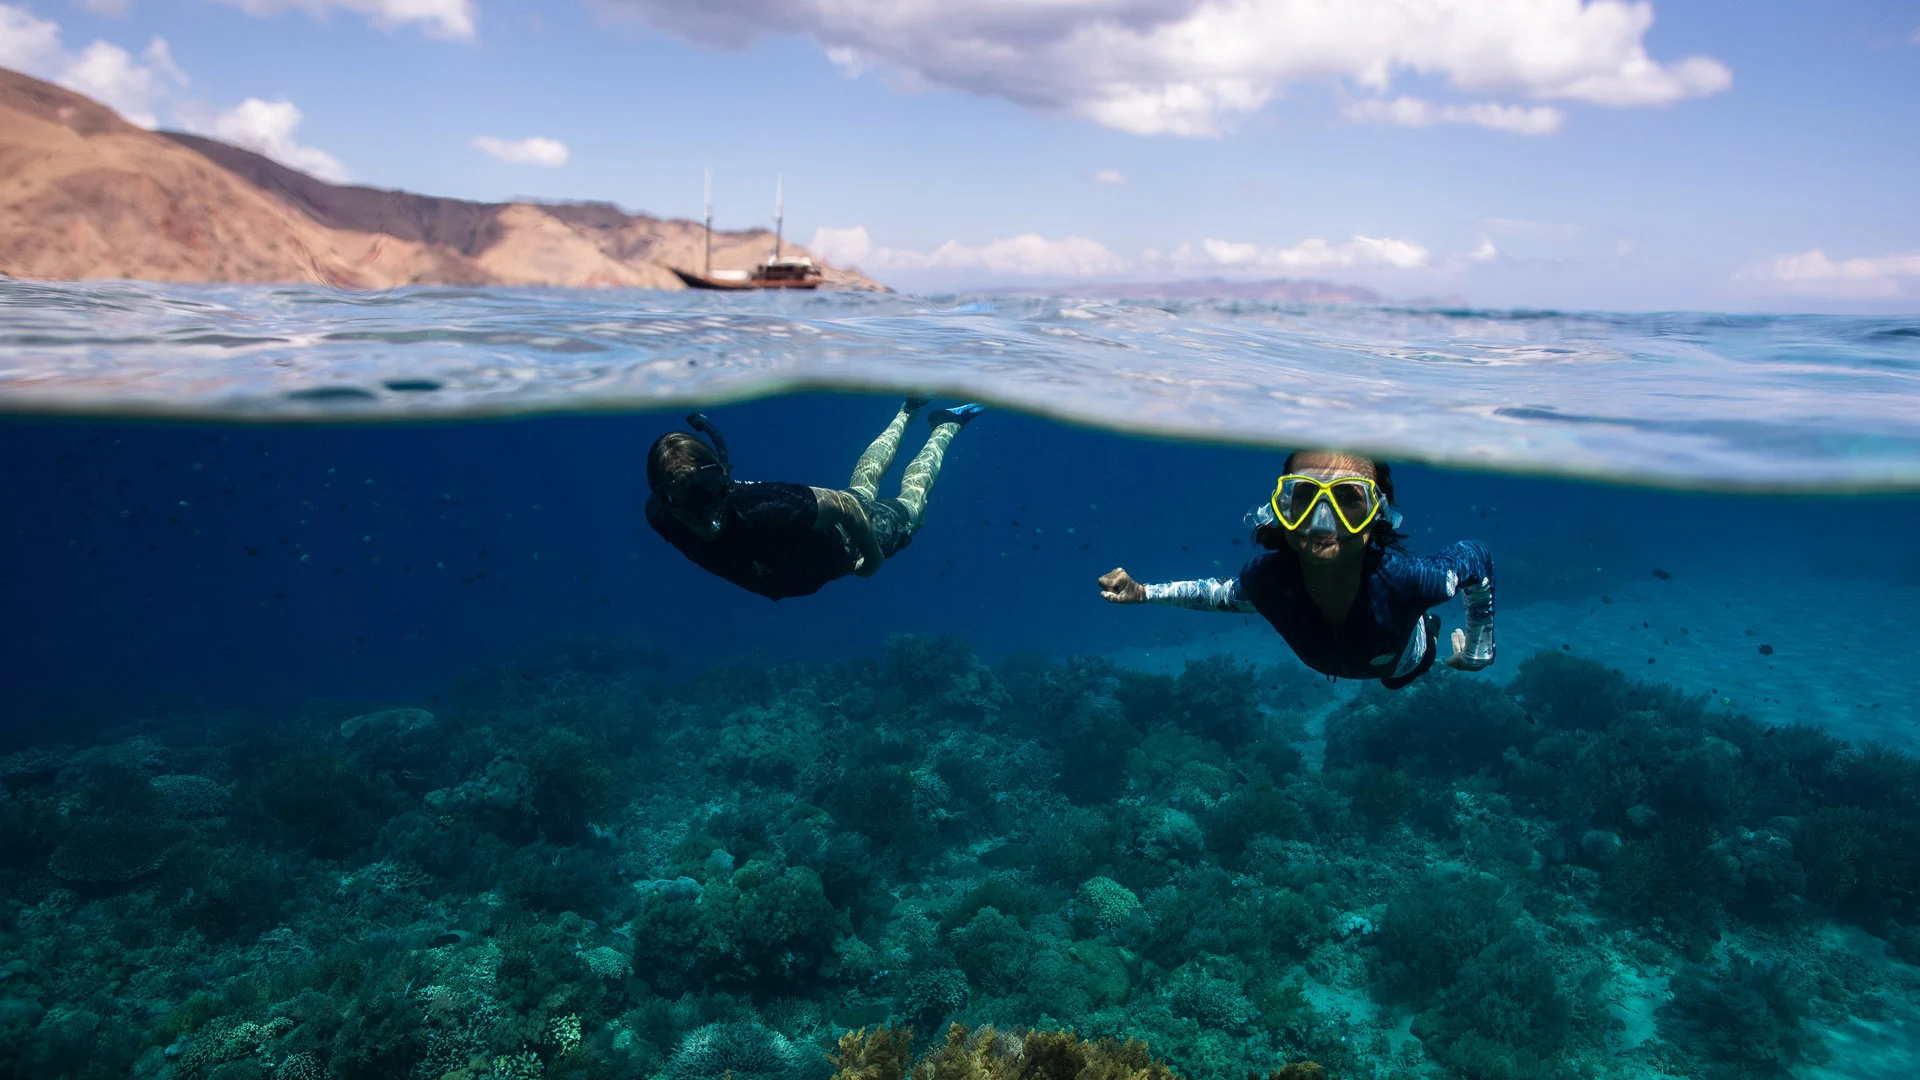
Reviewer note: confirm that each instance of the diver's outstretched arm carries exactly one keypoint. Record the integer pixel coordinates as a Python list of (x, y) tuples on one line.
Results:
[(1209, 594), (1465, 568)]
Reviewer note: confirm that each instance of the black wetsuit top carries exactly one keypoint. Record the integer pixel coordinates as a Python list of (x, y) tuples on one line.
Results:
[(767, 543), (1396, 589)]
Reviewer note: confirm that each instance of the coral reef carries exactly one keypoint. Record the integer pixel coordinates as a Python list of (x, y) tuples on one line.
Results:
[(572, 869)]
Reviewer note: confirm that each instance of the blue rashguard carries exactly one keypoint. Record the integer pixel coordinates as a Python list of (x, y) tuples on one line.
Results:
[(1385, 636)]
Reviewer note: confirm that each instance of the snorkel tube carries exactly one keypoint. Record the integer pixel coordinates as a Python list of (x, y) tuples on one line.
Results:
[(698, 421)]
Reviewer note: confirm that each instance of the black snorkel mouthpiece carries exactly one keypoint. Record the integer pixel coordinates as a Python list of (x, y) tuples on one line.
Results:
[(698, 421)]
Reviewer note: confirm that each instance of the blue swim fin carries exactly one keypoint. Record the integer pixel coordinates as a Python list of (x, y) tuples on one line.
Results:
[(959, 414)]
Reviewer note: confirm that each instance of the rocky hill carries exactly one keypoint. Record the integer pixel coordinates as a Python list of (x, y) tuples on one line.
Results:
[(84, 194)]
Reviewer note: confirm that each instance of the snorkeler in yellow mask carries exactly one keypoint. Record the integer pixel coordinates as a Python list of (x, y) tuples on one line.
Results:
[(1335, 581)]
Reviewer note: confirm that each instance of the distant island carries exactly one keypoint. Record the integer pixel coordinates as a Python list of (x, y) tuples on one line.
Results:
[(84, 195)]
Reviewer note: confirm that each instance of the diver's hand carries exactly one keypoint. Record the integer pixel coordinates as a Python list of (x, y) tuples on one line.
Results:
[(1119, 587), (868, 563), (1460, 661)]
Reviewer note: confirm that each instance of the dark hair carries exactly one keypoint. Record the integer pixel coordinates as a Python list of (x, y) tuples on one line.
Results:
[(674, 455), (1384, 534)]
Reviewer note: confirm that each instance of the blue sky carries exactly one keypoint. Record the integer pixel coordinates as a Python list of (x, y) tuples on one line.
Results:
[(1740, 156)]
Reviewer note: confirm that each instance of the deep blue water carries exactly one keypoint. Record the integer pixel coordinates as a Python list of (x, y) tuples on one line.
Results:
[(261, 564)]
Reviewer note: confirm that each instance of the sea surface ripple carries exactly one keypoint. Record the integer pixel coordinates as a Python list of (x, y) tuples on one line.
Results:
[(1677, 399)]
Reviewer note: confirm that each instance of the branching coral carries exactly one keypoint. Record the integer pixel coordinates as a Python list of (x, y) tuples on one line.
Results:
[(1747, 1019), (749, 1051)]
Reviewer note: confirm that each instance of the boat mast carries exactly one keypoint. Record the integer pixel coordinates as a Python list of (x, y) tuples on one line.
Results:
[(709, 202), (779, 214)]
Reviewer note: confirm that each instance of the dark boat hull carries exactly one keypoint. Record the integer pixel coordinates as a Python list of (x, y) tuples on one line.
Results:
[(700, 281)]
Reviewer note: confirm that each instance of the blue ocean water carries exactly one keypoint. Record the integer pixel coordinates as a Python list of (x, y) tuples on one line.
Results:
[(1678, 814)]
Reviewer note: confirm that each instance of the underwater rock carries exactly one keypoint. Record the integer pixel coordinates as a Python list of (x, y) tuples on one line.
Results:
[(398, 721), (1353, 924), (1599, 845), (1174, 834), (1643, 817), (1109, 970), (680, 888)]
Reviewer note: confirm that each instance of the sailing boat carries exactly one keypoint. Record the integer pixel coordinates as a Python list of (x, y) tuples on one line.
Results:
[(781, 271)]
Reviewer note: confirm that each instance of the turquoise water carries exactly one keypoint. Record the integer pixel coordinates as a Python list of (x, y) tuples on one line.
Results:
[(357, 724)]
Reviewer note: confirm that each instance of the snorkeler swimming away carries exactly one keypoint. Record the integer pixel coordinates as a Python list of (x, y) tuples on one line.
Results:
[(1335, 582), (780, 539)]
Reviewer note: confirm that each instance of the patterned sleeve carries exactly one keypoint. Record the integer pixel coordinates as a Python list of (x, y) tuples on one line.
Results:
[(1210, 594), (1465, 568)]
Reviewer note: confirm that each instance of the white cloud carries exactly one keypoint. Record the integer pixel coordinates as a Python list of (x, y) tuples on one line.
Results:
[(533, 150), (1486, 252), (1113, 177), (1027, 255), (1187, 67), (1413, 112), (842, 247), (440, 18), (1812, 272), (849, 61), (1314, 254), (267, 128), (103, 71), (133, 88)]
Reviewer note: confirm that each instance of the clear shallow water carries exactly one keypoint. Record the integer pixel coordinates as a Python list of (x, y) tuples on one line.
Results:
[(1694, 400)]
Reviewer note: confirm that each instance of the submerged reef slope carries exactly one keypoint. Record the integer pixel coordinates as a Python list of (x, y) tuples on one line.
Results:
[(563, 867)]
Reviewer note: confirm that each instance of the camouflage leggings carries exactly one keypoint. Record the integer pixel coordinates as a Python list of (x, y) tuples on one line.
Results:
[(921, 472)]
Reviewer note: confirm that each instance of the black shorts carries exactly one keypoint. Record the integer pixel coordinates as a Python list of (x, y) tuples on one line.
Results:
[(891, 523)]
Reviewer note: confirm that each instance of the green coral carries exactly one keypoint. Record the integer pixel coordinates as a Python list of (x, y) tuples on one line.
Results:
[(1109, 903)]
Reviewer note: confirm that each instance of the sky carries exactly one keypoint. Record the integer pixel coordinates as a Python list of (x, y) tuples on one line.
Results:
[(1758, 155)]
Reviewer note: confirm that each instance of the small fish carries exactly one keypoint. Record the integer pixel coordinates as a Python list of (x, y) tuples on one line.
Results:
[(1766, 650), (1605, 599), (1084, 547), (1663, 575)]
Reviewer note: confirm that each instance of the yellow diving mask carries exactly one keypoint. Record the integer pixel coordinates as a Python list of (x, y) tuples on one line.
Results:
[(1355, 500)]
